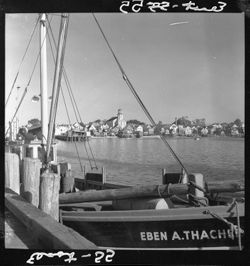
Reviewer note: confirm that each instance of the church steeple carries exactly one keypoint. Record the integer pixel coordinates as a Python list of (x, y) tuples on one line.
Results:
[(120, 120), (120, 115)]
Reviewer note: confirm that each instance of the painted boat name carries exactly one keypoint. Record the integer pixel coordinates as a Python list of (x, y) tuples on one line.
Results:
[(187, 235)]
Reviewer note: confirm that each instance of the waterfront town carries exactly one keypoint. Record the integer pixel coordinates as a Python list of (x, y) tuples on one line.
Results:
[(118, 126)]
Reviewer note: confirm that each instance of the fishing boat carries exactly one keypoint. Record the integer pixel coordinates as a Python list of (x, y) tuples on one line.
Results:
[(153, 217), (192, 216), (183, 212)]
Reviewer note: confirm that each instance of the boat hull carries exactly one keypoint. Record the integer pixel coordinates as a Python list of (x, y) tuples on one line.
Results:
[(137, 229)]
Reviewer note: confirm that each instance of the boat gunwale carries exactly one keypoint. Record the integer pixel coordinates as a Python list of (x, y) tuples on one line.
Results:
[(152, 215)]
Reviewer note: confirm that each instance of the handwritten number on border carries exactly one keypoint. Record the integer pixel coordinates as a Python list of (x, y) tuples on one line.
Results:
[(100, 254), (70, 256), (137, 5)]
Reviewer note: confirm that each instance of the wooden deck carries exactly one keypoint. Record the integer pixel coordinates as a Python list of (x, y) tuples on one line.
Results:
[(16, 234)]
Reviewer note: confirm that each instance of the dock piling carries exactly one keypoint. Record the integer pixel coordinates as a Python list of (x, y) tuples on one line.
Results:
[(49, 194), (12, 173), (31, 180)]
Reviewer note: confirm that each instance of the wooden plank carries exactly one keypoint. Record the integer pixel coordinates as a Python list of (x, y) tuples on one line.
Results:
[(87, 204), (161, 191), (125, 193), (224, 186), (82, 205), (51, 234)]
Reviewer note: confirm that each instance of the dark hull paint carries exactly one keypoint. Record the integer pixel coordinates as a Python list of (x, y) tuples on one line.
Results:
[(197, 233)]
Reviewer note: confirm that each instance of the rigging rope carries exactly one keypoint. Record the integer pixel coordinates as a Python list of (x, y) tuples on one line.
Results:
[(26, 50), (24, 93), (26, 88), (76, 111), (67, 84), (69, 120), (79, 159), (73, 102), (234, 228), (137, 97)]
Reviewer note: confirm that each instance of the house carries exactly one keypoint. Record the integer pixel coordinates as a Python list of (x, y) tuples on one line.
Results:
[(173, 129), (213, 129), (188, 131), (61, 129), (151, 131), (139, 128), (181, 130), (194, 130), (128, 129), (234, 130), (117, 121), (146, 128), (76, 125), (92, 129), (204, 131), (167, 131), (162, 131), (112, 122), (243, 127)]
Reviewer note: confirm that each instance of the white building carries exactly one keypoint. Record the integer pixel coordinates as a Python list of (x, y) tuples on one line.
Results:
[(188, 131), (117, 121), (204, 131), (139, 128), (173, 128), (61, 129)]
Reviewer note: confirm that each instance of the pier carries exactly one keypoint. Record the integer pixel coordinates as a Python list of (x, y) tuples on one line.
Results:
[(16, 234), (30, 222), (27, 227)]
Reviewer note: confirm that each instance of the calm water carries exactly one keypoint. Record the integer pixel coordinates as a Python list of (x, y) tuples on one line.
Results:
[(139, 161)]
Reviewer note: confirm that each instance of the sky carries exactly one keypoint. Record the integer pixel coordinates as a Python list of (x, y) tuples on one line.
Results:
[(180, 64)]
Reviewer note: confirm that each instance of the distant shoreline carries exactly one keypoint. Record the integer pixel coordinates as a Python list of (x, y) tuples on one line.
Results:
[(166, 136)]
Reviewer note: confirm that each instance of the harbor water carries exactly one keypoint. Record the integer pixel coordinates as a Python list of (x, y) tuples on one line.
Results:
[(140, 161)]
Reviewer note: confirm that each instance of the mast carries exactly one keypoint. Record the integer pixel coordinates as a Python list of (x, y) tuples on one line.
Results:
[(43, 79), (57, 79)]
